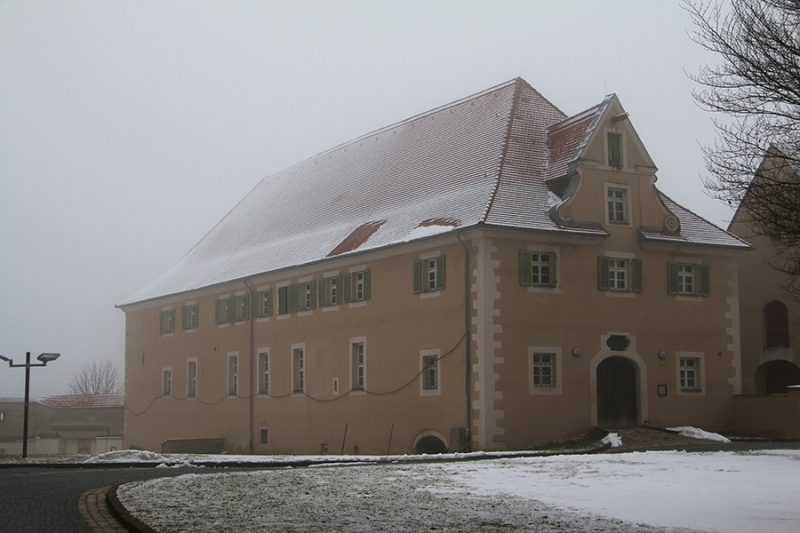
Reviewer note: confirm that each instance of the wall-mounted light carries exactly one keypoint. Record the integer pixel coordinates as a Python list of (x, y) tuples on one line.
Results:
[(576, 351), (662, 355)]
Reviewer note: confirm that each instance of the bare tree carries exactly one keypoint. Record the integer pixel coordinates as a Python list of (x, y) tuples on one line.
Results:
[(755, 93), (97, 378)]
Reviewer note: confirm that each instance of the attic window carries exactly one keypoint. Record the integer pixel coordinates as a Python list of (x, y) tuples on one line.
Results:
[(615, 150), (357, 238)]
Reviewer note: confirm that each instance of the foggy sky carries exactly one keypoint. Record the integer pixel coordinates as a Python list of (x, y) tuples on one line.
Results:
[(129, 129)]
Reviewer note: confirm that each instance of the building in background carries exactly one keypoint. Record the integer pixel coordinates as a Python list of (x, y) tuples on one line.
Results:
[(489, 275), (85, 424)]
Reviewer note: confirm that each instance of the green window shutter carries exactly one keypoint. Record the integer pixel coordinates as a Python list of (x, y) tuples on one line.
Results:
[(340, 288), (322, 292), (294, 301), (367, 291), (672, 278), (705, 281), (602, 273), (440, 273), (246, 306), (417, 277), (231, 308), (268, 304), (312, 285), (525, 274), (185, 317), (217, 311), (283, 300), (346, 292), (636, 268)]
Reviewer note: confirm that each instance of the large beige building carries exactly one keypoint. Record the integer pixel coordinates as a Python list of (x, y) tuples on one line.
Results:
[(488, 275)]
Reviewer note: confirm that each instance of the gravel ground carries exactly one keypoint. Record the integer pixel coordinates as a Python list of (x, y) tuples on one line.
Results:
[(381, 498)]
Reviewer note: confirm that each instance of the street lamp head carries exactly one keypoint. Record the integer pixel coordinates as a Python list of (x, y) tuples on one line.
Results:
[(6, 359), (47, 357)]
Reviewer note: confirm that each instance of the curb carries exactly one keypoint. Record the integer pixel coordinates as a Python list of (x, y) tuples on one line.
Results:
[(131, 523)]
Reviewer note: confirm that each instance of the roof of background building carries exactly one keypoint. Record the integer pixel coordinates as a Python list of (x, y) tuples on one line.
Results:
[(83, 401), (482, 159)]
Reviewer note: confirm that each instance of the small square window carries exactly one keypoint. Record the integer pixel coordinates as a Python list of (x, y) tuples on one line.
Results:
[(263, 436)]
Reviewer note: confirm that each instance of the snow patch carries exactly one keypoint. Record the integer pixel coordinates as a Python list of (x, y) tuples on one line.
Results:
[(420, 232), (613, 439), (695, 433), (128, 456)]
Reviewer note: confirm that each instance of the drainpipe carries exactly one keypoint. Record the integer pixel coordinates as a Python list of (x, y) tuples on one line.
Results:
[(467, 373), (251, 314)]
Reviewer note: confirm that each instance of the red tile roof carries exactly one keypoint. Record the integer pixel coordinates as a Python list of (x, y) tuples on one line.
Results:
[(484, 159), (83, 401)]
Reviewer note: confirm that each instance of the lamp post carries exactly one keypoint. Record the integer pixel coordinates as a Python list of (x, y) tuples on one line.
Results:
[(44, 358)]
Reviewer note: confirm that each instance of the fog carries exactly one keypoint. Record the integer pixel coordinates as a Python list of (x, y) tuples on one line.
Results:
[(128, 129)]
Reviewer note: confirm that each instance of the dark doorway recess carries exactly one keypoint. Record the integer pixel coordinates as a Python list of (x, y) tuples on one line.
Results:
[(616, 393), (431, 445), (780, 374)]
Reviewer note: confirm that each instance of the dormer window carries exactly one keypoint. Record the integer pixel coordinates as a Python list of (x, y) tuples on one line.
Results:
[(615, 150)]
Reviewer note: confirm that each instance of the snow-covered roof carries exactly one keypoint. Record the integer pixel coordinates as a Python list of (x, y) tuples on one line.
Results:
[(484, 159), (83, 401)]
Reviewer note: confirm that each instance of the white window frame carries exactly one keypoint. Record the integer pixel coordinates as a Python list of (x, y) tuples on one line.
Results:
[(222, 308), (263, 371), (557, 385), (191, 378), (625, 201), (241, 307), (355, 366), (613, 281), (166, 381), (299, 363), (233, 374), (693, 276), (191, 320), (166, 319), (699, 370), (423, 357)]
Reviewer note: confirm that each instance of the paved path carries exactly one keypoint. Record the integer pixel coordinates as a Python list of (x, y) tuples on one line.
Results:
[(68, 500)]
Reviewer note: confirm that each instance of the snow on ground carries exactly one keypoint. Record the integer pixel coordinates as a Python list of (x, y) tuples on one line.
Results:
[(696, 433), (666, 491)]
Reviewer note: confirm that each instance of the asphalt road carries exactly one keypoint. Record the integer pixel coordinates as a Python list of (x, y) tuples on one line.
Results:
[(36, 499)]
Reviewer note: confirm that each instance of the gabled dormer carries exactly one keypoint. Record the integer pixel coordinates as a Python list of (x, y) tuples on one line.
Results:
[(603, 174)]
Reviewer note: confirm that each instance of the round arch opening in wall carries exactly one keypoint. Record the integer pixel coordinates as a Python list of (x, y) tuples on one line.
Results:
[(430, 443), (616, 393), (773, 377)]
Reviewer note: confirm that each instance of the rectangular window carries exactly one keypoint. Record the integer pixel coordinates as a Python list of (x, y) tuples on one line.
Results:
[(356, 286), (167, 321), (687, 279), (329, 291), (166, 382), (263, 303), (690, 373), (191, 378), (2, 416), (617, 201), (544, 370), (233, 375), (263, 372), (430, 372), (242, 308), (263, 436), (224, 310), (537, 268), (298, 370), (358, 365), (190, 316), (619, 275), (429, 275), (615, 150)]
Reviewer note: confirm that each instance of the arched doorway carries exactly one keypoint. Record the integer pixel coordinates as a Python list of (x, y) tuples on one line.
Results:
[(616, 393), (777, 375), (430, 445)]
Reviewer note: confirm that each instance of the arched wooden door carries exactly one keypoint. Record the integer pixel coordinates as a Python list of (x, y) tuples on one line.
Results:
[(616, 393)]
